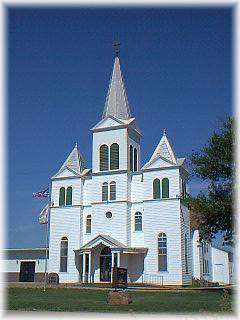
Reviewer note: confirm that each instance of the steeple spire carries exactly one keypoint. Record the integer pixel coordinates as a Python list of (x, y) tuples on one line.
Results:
[(116, 104)]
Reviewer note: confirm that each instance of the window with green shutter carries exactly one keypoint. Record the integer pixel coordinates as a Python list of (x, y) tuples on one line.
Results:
[(103, 158), (69, 196), (105, 191), (165, 188), (62, 197), (135, 159), (113, 190), (114, 156), (131, 157), (156, 188)]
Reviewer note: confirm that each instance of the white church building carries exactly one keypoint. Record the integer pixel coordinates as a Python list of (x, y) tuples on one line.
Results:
[(118, 212)]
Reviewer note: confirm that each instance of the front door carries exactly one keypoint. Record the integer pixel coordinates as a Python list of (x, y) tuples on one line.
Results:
[(105, 265), (27, 271)]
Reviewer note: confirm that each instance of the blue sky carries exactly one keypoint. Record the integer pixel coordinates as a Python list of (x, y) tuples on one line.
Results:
[(177, 69)]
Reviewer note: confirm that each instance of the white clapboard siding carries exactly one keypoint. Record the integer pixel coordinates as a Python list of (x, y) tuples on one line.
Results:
[(64, 222), (163, 216), (185, 229)]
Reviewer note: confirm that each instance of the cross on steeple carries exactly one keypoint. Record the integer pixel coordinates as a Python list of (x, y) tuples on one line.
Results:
[(116, 46)]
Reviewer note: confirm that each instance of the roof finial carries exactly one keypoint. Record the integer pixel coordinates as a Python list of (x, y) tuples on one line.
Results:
[(116, 46), (164, 132), (76, 144)]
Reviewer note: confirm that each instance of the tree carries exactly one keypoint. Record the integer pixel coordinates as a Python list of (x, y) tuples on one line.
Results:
[(212, 212)]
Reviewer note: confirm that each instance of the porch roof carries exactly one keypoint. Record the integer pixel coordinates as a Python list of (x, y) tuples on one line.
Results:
[(109, 242)]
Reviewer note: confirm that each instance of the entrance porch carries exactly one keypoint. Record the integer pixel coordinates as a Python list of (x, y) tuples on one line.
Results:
[(96, 259)]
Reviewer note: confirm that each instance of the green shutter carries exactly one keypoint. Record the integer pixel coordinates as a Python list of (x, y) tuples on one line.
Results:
[(104, 158), (62, 197), (165, 188), (131, 157), (156, 189), (69, 196), (113, 190), (114, 156), (105, 191), (135, 159)]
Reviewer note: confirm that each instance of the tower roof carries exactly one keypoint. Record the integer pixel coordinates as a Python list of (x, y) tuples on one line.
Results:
[(164, 149), (74, 162), (116, 104)]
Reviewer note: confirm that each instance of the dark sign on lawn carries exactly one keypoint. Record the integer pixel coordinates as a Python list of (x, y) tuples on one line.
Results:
[(119, 279)]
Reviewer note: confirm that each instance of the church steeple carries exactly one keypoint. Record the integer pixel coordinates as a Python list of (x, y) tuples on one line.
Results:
[(116, 104)]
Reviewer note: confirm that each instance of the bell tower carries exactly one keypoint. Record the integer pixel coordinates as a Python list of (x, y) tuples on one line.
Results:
[(116, 138)]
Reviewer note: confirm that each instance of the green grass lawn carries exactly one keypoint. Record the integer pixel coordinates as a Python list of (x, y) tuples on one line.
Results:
[(64, 299)]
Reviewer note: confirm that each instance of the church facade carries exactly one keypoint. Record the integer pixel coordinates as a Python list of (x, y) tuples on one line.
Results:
[(119, 213)]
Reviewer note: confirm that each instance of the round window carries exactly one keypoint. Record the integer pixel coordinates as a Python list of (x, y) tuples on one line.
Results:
[(109, 214)]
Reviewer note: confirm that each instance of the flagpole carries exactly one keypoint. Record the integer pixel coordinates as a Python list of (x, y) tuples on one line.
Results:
[(46, 256)]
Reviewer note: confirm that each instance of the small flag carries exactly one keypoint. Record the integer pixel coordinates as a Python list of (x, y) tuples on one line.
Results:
[(44, 193), (43, 217)]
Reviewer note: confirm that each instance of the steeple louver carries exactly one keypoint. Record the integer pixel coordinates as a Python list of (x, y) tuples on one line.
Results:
[(116, 104)]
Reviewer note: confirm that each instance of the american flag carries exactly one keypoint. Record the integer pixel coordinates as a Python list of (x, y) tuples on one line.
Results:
[(43, 194), (43, 217)]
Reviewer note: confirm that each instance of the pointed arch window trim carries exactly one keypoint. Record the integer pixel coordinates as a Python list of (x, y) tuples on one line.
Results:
[(165, 188), (69, 196), (112, 195), (62, 194), (105, 191), (114, 156), (104, 158), (156, 189), (63, 254)]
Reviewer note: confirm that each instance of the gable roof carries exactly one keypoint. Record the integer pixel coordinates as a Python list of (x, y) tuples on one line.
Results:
[(106, 239), (74, 162), (165, 150), (116, 103)]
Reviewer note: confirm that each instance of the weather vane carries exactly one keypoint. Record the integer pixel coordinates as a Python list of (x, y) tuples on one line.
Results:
[(116, 46)]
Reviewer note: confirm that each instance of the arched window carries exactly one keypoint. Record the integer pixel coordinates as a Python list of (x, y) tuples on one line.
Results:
[(135, 159), (105, 191), (69, 196), (113, 190), (131, 157), (138, 221), (114, 156), (186, 253), (165, 188), (156, 188), (104, 157), (62, 197), (63, 254), (162, 252), (89, 224)]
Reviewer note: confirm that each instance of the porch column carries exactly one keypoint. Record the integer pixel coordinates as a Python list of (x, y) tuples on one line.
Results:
[(118, 259), (112, 266), (89, 266), (84, 267)]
